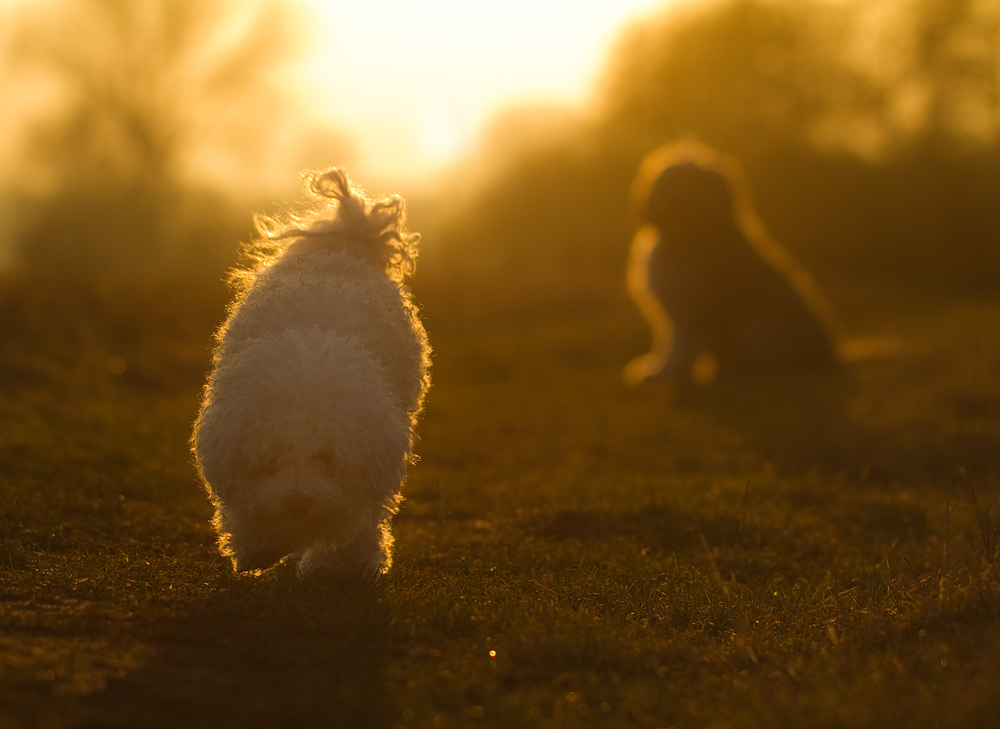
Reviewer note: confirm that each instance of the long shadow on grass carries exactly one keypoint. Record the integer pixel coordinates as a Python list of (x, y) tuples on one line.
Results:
[(809, 423), (273, 651), (829, 423)]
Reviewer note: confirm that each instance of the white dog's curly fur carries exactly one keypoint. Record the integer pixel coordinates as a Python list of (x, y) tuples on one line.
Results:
[(307, 423)]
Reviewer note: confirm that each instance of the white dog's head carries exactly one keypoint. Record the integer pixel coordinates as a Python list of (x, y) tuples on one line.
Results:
[(339, 216)]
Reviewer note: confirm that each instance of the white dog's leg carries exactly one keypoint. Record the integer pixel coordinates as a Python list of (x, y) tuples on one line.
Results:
[(249, 545), (367, 557), (248, 561)]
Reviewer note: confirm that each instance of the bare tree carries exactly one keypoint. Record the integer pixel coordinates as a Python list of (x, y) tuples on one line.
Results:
[(143, 86)]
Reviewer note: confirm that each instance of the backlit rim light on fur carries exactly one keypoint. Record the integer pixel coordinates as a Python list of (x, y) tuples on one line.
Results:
[(307, 422), (340, 210)]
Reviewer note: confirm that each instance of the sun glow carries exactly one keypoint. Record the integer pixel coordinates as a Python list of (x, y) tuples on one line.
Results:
[(412, 82), (444, 133)]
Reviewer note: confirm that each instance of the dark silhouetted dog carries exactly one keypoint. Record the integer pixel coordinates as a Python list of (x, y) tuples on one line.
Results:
[(719, 293)]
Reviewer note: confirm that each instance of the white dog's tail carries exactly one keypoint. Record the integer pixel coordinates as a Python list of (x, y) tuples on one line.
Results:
[(340, 210)]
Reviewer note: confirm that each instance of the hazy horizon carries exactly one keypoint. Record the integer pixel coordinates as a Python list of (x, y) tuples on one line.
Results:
[(422, 81)]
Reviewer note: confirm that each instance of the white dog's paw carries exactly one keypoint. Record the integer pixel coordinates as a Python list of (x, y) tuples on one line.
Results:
[(333, 563), (365, 559), (250, 560)]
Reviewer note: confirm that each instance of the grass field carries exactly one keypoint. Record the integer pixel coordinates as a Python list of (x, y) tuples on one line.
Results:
[(816, 550)]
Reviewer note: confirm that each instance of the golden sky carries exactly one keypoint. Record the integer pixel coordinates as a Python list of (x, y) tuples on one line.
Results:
[(413, 81), (408, 84)]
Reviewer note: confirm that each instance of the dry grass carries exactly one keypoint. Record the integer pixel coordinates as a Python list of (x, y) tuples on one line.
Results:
[(760, 553)]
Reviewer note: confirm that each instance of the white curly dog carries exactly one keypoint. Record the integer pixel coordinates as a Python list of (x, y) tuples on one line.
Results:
[(307, 423)]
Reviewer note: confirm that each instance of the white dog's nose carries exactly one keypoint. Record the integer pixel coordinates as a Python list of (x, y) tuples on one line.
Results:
[(297, 504)]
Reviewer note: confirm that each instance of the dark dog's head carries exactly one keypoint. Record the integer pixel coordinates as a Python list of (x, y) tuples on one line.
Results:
[(687, 194), (688, 185)]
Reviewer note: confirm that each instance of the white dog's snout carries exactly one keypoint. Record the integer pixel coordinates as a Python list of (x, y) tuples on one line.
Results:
[(297, 504)]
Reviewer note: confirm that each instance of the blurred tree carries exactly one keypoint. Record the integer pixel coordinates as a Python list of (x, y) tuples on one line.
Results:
[(957, 59), (745, 76), (144, 86), (869, 129), (524, 194), (871, 77)]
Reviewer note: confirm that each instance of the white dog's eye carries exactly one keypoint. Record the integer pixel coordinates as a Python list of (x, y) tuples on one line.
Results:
[(328, 465)]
